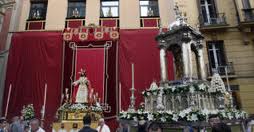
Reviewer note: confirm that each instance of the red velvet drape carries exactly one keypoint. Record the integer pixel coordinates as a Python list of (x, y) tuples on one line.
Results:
[(92, 60), (35, 59), (139, 47)]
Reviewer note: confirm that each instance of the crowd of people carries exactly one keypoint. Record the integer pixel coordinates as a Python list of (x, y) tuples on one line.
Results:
[(18, 125)]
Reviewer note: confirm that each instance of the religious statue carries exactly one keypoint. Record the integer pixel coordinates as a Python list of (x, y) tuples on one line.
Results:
[(82, 93), (75, 12), (36, 14), (150, 12)]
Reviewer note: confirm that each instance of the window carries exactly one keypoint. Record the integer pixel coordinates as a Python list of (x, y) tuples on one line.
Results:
[(216, 54), (38, 10), (246, 4), (109, 8), (208, 11), (149, 8), (76, 9)]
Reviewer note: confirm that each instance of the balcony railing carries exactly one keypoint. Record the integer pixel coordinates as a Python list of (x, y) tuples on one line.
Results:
[(248, 15), (35, 24), (74, 22), (219, 20), (150, 22), (223, 70)]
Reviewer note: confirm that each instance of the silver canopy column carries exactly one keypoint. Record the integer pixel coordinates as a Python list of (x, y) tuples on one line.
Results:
[(163, 61), (200, 62), (185, 60), (185, 38)]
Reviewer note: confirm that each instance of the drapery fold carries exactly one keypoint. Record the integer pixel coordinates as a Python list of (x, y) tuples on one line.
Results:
[(140, 48), (35, 59)]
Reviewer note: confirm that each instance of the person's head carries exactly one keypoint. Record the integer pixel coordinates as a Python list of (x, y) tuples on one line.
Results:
[(142, 126), (221, 127), (26, 129), (154, 127), (101, 122), (213, 120), (1, 123), (87, 120), (83, 74), (62, 125), (75, 125), (35, 124), (15, 119)]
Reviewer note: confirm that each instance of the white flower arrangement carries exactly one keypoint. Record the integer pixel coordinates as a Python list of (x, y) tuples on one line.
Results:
[(188, 115), (183, 88), (192, 89), (28, 112), (80, 107)]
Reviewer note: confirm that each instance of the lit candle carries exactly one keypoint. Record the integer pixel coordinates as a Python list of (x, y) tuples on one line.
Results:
[(8, 100), (66, 90), (45, 94), (132, 69), (45, 98)]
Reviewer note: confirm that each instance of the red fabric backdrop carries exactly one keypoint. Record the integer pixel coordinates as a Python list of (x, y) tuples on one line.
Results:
[(35, 59), (92, 60), (139, 47)]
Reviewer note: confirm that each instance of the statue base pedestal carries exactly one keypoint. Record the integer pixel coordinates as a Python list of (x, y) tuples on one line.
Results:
[(68, 125), (72, 114)]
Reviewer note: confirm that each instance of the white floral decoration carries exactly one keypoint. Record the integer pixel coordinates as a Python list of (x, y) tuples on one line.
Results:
[(150, 117), (163, 119), (202, 86), (217, 84), (192, 89), (194, 117), (175, 117)]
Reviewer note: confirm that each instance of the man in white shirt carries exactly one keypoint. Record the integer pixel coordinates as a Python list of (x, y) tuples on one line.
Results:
[(35, 126), (102, 127)]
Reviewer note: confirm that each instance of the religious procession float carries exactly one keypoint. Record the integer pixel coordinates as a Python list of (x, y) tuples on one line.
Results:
[(187, 101), (83, 101)]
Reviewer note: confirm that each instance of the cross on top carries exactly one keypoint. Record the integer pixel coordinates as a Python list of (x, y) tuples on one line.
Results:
[(179, 15)]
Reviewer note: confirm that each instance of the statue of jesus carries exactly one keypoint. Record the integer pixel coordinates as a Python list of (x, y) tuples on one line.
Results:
[(82, 93)]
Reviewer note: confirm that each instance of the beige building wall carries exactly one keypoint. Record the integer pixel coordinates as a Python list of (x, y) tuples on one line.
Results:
[(241, 55), (129, 14), (92, 12), (56, 14), (24, 15), (227, 7), (190, 8), (166, 12), (240, 7)]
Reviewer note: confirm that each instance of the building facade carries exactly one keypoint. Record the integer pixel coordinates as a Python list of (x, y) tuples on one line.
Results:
[(228, 27), (9, 15)]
